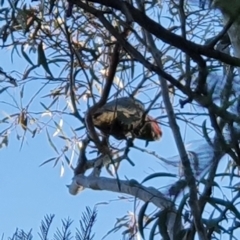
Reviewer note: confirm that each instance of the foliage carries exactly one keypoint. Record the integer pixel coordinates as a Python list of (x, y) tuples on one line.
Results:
[(84, 232), (174, 57)]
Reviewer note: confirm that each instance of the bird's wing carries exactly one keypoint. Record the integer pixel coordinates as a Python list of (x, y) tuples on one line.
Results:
[(104, 117), (127, 118)]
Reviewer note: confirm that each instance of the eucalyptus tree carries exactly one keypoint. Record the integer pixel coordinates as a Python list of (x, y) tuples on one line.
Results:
[(177, 57)]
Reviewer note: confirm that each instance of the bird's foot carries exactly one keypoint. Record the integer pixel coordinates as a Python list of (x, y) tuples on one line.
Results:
[(130, 142)]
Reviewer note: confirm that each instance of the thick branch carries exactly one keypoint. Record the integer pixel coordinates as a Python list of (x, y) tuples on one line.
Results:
[(131, 187)]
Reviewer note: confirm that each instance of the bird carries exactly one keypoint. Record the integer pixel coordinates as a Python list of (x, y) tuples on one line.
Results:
[(125, 117)]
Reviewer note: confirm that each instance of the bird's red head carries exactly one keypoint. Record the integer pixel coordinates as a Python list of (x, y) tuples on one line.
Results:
[(150, 130), (156, 130)]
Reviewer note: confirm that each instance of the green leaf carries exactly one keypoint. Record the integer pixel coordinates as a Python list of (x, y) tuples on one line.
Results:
[(153, 230), (56, 61), (179, 212), (4, 120), (141, 215), (26, 56), (212, 90), (47, 161), (28, 71), (214, 201), (67, 160), (162, 220), (214, 184), (205, 133), (3, 89), (42, 60), (93, 75), (51, 143), (13, 51), (44, 106), (34, 132), (22, 91), (59, 125), (155, 175), (80, 128), (226, 175), (56, 161), (51, 104)]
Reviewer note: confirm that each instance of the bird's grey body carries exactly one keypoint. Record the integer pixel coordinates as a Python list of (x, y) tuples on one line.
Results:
[(125, 117)]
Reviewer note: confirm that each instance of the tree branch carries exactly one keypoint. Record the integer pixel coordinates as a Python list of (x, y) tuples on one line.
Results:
[(188, 173), (192, 49), (131, 187)]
